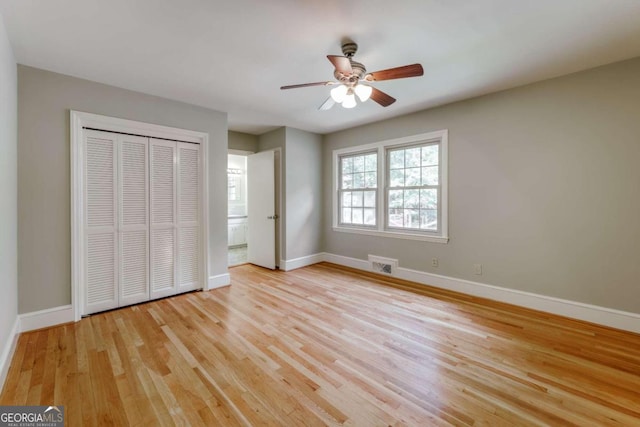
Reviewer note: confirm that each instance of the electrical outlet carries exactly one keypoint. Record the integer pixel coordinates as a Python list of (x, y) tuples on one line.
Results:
[(434, 262), (477, 269)]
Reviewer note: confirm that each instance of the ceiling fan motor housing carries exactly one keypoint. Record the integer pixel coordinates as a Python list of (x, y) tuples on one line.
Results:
[(358, 71), (349, 49)]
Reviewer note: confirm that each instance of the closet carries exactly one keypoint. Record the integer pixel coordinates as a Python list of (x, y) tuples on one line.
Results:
[(142, 225)]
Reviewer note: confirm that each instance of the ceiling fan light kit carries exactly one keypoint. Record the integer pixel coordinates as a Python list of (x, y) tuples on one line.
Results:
[(349, 74), (345, 95)]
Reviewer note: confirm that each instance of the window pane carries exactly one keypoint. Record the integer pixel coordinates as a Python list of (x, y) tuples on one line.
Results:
[(396, 178), (430, 155), (370, 180), (369, 216), (429, 199), (347, 165), (396, 198), (358, 164), (370, 199), (396, 218), (357, 216), (412, 218), (412, 157), (346, 216), (371, 163), (346, 199), (358, 180), (430, 175), (412, 198), (396, 160), (356, 200), (347, 181), (429, 219), (412, 177)]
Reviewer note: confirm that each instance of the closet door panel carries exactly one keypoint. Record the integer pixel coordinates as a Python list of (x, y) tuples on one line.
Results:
[(101, 244), (188, 227), (163, 159), (163, 183), (134, 237), (163, 266), (102, 278), (189, 260)]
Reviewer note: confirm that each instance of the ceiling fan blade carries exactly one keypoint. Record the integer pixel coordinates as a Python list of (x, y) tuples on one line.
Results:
[(308, 84), (413, 70), (341, 63), (326, 105), (382, 98)]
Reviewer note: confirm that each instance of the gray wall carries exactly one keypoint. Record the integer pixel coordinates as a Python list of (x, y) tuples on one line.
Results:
[(303, 193), (8, 192), (301, 221), (44, 101), (243, 141), (543, 186), (269, 141)]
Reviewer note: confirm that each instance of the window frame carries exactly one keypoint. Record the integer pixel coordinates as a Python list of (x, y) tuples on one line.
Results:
[(381, 228)]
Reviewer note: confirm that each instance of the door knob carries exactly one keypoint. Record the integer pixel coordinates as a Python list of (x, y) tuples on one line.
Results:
[(273, 217)]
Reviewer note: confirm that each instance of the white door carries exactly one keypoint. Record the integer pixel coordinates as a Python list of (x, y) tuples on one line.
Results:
[(133, 190), (261, 212), (100, 220), (188, 225), (176, 244), (163, 247)]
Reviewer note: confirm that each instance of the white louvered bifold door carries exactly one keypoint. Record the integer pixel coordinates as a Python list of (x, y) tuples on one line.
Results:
[(189, 239), (100, 220), (133, 219), (163, 201)]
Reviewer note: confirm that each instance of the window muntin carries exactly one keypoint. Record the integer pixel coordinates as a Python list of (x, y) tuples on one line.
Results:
[(357, 192), (413, 190)]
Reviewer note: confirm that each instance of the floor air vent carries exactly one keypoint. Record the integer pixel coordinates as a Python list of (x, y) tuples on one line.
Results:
[(383, 265)]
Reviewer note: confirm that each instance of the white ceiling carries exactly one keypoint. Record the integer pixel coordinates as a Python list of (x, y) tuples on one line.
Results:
[(233, 56)]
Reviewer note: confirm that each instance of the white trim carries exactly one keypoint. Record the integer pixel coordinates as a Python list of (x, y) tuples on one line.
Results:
[(46, 318), (115, 124), (380, 229), (218, 281), (576, 310), (292, 264), (393, 234), (7, 352), (240, 152), (80, 120), (346, 261)]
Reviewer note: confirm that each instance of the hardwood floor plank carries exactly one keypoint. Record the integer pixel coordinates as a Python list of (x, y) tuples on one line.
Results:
[(326, 345)]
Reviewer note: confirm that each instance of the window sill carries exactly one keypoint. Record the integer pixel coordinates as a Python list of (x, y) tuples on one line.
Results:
[(393, 234)]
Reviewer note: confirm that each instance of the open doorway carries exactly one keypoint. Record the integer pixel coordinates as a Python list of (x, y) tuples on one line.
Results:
[(237, 209), (254, 184)]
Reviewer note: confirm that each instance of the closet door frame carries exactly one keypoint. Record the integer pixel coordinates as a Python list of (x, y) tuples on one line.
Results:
[(79, 121)]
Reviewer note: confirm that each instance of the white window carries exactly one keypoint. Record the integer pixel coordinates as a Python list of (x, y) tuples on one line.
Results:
[(358, 185), (412, 172), (413, 186)]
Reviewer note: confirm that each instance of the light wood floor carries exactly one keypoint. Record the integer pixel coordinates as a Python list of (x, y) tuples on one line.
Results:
[(325, 345)]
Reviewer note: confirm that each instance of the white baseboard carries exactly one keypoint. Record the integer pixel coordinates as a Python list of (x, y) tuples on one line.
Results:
[(7, 352), (360, 264), (292, 264), (576, 310), (45, 318), (218, 281)]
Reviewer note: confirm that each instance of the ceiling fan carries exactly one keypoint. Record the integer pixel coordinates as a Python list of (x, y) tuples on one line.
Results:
[(353, 80)]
